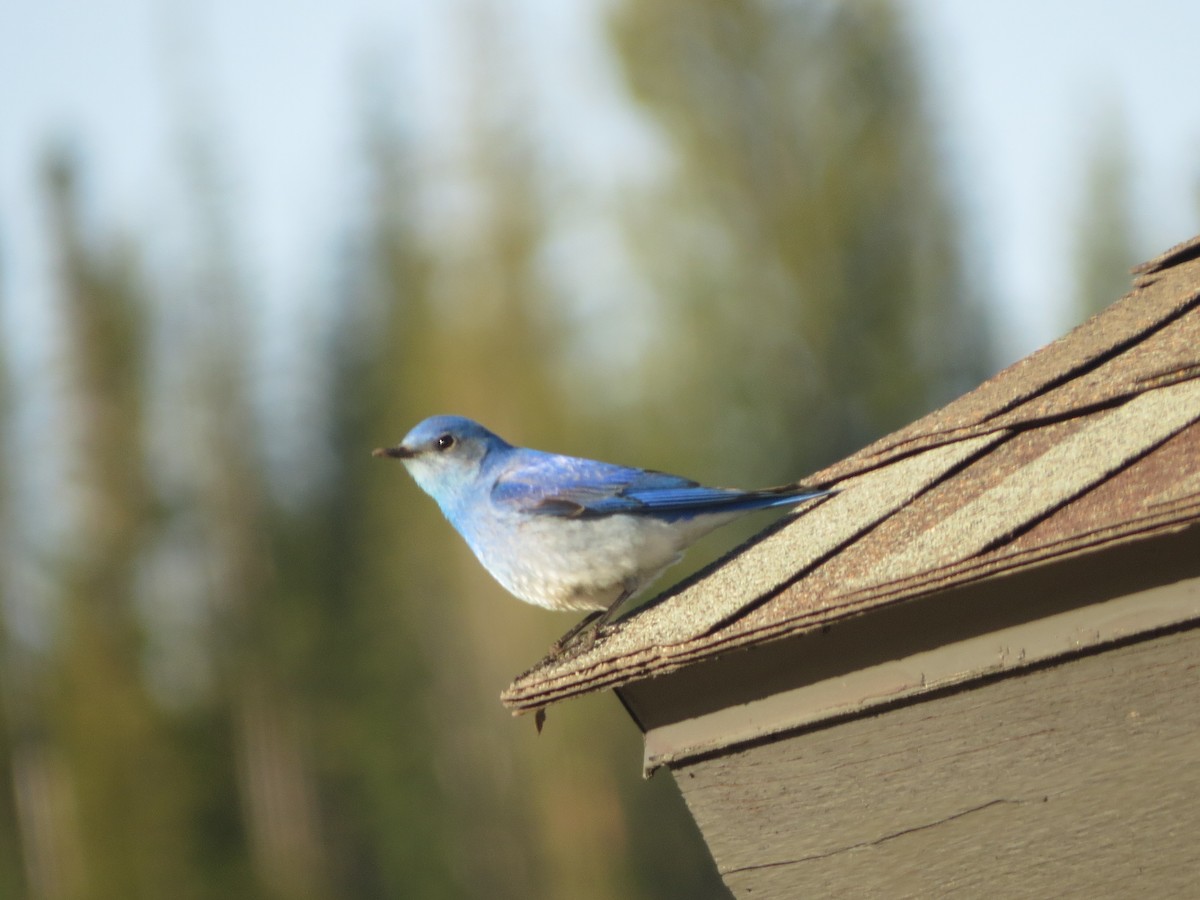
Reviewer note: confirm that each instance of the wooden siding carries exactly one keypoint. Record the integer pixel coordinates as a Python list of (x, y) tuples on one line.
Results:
[(922, 646), (1078, 779)]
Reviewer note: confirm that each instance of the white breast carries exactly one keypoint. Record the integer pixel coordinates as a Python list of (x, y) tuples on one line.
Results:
[(583, 564)]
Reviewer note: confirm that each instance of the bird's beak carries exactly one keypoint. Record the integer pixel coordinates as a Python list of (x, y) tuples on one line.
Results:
[(397, 452)]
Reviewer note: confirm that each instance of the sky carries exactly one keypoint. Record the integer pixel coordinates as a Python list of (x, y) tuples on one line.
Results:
[(1023, 89), (1019, 92)]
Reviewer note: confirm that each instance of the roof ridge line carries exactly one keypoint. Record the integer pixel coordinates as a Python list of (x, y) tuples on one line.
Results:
[(1100, 359), (1183, 252)]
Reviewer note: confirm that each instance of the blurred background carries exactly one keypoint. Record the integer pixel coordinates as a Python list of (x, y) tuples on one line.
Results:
[(242, 244)]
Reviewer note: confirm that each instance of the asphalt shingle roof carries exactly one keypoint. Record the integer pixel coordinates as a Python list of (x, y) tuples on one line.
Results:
[(1091, 441)]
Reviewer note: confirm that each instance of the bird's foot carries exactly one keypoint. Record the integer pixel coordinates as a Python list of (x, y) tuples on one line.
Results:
[(583, 636), (579, 639), (575, 635)]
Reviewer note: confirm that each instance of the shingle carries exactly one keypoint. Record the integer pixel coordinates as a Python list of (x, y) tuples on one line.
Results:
[(1089, 442), (1111, 334), (1175, 257), (1163, 486), (1069, 466)]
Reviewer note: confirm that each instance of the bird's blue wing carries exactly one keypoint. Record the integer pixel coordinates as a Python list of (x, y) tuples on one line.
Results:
[(546, 484)]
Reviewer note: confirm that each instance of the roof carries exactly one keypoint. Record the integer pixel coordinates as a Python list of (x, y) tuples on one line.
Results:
[(1090, 442)]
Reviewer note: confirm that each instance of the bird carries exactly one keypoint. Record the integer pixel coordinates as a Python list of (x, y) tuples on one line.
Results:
[(563, 532)]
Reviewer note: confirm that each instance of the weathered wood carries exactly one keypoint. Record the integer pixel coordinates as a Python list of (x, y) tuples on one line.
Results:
[(1071, 780)]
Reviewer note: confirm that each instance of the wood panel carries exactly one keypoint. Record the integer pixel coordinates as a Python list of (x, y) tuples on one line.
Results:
[(1077, 779)]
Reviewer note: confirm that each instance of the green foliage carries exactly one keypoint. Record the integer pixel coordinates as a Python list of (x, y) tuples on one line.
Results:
[(807, 244), (1105, 248), (250, 694), (10, 716), (112, 743)]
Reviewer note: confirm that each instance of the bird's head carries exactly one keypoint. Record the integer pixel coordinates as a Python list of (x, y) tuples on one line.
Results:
[(444, 455)]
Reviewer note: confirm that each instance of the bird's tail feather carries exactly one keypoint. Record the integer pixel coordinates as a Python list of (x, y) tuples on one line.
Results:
[(789, 495)]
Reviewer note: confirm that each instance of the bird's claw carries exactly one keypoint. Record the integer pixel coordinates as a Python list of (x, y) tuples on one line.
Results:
[(575, 642)]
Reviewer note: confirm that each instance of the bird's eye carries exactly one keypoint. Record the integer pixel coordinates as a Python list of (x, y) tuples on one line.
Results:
[(445, 442)]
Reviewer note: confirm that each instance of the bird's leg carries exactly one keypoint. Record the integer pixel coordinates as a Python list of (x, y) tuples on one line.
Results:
[(630, 586), (558, 646), (593, 622)]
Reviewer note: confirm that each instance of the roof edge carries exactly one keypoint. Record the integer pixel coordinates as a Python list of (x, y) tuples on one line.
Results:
[(1181, 253), (954, 662)]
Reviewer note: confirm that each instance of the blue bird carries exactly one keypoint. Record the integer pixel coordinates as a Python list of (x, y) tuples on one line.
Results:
[(566, 533)]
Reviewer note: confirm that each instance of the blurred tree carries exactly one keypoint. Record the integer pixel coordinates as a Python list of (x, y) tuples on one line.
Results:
[(446, 316), (849, 275), (324, 722), (806, 242), (112, 780), (359, 557), (12, 882), (1106, 240), (260, 628)]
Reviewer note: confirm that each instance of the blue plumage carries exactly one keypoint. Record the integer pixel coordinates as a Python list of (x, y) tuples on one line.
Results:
[(564, 532), (564, 486)]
